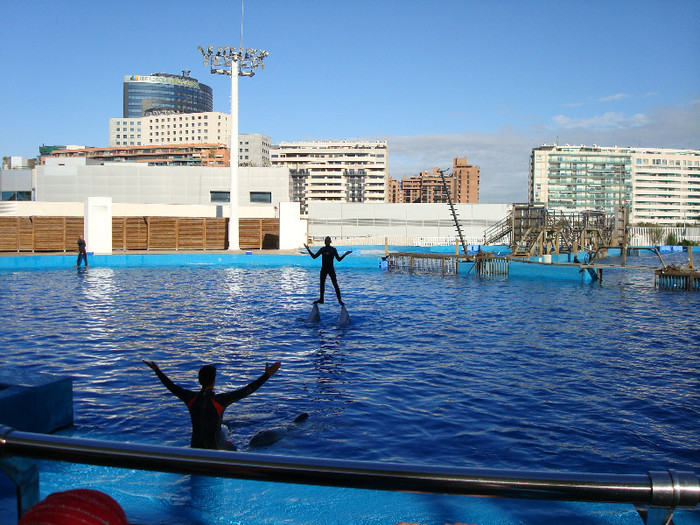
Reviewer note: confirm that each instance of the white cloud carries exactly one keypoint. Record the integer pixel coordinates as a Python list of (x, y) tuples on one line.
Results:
[(504, 156), (611, 119), (618, 96)]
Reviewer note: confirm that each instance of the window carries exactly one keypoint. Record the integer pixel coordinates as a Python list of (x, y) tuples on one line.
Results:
[(261, 196), (219, 196)]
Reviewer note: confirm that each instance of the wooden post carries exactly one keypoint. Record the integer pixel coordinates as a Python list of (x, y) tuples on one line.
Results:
[(457, 246), (386, 245), (65, 240), (690, 257)]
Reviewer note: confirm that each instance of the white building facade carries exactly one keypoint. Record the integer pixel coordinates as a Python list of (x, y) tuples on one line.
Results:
[(189, 128), (412, 224), (660, 186), (76, 179), (334, 171)]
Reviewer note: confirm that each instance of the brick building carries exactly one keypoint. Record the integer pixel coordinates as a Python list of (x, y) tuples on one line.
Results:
[(427, 187)]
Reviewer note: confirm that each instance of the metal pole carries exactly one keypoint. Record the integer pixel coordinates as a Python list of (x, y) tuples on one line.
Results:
[(233, 233), (669, 489), (235, 62)]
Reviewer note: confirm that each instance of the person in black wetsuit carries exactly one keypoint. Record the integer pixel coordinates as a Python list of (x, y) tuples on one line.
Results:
[(82, 251), (207, 408), (328, 253)]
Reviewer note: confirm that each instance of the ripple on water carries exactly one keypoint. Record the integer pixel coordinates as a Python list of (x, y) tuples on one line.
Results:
[(442, 370)]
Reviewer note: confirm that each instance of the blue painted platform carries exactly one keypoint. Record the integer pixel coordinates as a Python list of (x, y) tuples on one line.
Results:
[(35, 402), (122, 260)]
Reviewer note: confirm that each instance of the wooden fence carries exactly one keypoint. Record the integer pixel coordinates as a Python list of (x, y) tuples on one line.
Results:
[(60, 234)]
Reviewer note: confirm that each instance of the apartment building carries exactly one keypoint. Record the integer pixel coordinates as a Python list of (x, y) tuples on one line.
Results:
[(337, 171), (428, 187), (394, 194), (182, 129), (214, 155), (659, 185)]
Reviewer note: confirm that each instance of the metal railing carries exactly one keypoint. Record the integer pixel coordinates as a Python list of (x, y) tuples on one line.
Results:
[(659, 490)]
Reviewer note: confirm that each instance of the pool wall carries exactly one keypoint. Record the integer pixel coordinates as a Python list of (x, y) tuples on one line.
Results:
[(44, 262), (360, 259), (549, 267)]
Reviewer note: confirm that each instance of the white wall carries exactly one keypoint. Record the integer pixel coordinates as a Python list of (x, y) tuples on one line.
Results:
[(98, 225), (73, 180), (76, 209), (401, 220), (292, 227)]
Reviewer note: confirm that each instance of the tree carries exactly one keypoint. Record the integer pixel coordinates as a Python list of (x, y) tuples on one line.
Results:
[(656, 235)]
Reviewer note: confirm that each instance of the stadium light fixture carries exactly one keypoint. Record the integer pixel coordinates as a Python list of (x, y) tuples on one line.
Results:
[(244, 62)]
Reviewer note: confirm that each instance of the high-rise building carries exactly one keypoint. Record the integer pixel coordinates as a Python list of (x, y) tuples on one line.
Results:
[(428, 187), (339, 171), (393, 191), (466, 181), (150, 94), (659, 185), (189, 129)]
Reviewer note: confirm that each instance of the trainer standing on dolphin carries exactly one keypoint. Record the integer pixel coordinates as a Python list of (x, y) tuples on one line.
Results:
[(328, 253), (206, 408)]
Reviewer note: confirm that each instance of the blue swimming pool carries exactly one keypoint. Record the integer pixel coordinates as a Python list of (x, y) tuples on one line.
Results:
[(444, 370)]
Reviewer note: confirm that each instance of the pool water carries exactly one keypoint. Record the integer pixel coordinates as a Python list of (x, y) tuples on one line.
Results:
[(443, 370)]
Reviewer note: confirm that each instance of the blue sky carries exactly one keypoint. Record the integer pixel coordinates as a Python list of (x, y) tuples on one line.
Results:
[(488, 80)]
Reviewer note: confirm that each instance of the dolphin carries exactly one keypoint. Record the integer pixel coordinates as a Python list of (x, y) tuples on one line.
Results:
[(265, 438), (344, 317), (314, 314)]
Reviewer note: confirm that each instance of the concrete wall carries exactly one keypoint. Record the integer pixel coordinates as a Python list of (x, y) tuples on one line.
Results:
[(343, 220), (98, 224), (16, 180), (76, 209), (293, 228), (74, 180)]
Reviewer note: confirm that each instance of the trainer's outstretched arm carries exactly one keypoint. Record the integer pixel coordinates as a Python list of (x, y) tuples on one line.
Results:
[(343, 256), (271, 369), (312, 254), (175, 389), (152, 365)]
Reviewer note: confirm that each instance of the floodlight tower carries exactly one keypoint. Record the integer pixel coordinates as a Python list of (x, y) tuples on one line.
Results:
[(237, 62)]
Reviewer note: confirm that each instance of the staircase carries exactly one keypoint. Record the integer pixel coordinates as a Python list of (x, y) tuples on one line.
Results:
[(455, 216), (499, 230)]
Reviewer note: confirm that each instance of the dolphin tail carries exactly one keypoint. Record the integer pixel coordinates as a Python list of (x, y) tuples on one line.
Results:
[(314, 314)]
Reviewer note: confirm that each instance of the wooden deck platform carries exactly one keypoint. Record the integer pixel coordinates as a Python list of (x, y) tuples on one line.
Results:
[(673, 278), (481, 263)]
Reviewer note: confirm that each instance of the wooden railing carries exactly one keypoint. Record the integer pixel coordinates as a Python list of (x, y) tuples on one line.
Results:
[(60, 234)]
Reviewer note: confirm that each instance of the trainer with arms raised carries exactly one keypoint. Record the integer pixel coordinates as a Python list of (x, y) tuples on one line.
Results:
[(328, 253), (207, 408)]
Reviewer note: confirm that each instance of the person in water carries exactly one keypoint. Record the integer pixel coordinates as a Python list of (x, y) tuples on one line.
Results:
[(328, 253), (207, 408), (82, 251)]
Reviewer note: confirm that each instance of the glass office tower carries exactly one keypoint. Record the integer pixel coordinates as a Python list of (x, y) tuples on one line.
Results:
[(162, 92)]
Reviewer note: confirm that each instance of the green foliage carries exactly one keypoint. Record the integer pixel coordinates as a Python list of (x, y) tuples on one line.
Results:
[(656, 234), (671, 240)]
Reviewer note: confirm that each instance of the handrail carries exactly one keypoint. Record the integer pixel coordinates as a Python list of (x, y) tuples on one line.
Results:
[(669, 489)]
